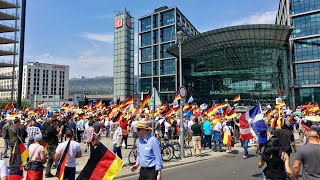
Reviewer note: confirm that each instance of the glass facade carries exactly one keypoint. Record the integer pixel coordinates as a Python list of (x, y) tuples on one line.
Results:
[(307, 49), (307, 73), (306, 95), (306, 25), (161, 66), (300, 6)]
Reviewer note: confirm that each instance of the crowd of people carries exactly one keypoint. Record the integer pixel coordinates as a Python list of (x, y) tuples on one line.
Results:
[(219, 132)]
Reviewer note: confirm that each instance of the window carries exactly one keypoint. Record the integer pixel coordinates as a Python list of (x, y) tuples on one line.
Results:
[(167, 18), (299, 6), (146, 69), (145, 84), (307, 49), (167, 66), (156, 52), (146, 54), (155, 21), (155, 36), (167, 34), (167, 83), (146, 39), (163, 52), (146, 24), (307, 73), (155, 68), (306, 25), (156, 83)]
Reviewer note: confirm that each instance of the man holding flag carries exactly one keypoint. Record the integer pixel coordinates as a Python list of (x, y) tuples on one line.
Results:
[(67, 152)]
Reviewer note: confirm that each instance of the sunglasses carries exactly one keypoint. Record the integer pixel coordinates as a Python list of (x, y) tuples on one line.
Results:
[(139, 129)]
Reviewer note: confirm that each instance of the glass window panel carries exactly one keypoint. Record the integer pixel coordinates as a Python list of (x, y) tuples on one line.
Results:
[(155, 68), (163, 48), (167, 18), (145, 84), (167, 34), (167, 66), (146, 39), (156, 52), (146, 69), (146, 54), (167, 83), (155, 21), (156, 83), (146, 24), (307, 73), (155, 36)]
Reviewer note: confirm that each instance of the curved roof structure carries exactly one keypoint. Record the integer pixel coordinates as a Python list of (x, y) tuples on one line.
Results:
[(236, 47)]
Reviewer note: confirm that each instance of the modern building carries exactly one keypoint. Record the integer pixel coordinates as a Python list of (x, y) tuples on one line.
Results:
[(38, 79), (123, 65), (157, 68), (304, 53), (9, 16), (245, 60)]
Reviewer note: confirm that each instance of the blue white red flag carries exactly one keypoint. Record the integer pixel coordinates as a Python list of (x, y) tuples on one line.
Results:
[(255, 119)]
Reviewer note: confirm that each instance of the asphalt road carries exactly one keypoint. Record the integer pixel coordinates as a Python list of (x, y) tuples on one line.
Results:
[(228, 167)]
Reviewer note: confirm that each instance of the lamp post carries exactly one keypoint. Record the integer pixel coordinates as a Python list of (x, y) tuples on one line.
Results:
[(180, 35)]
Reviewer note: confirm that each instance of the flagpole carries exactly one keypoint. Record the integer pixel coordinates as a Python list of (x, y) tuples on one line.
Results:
[(153, 108)]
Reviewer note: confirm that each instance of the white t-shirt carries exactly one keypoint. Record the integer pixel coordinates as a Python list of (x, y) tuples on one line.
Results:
[(107, 122), (190, 123), (3, 169), (217, 127), (74, 148), (227, 129), (35, 155), (166, 126), (133, 124)]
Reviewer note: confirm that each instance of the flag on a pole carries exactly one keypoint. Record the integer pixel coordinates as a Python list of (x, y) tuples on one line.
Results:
[(41, 104), (237, 98), (62, 162), (245, 129), (255, 118), (190, 99), (102, 164), (9, 106)]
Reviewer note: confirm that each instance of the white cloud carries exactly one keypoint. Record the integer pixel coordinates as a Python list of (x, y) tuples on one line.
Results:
[(268, 17), (100, 37), (87, 65)]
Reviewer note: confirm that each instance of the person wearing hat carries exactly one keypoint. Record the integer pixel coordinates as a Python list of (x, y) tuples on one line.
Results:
[(149, 154), (117, 139), (37, 159)]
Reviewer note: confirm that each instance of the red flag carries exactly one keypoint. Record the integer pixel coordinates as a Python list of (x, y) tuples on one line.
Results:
[(245, 129)]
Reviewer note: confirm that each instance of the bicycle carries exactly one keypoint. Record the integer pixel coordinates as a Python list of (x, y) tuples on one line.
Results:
[(132, 158), (187, 148)]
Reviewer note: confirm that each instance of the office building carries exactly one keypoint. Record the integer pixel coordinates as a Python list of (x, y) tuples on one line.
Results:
[(304, 53), (123, 63), (9, 16), (157, 68), (38, 79)]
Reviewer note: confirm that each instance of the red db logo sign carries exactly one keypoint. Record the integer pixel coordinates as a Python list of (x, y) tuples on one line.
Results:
[(118, 23)]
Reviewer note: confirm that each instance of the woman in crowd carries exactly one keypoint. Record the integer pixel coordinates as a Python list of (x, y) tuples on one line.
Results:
[(277, 161), (88, 135), (37, 159)]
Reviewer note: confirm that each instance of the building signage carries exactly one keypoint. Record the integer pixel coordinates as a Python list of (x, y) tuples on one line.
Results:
[(118, 23), (57, 66)]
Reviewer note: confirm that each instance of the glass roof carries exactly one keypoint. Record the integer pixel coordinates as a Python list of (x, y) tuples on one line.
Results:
[(236, 47)]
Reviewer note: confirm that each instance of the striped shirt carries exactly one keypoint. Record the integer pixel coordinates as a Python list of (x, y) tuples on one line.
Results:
[(32, 132)]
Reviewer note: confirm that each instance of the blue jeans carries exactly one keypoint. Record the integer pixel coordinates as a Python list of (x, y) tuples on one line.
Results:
[(107, 130), (117, 151), (215, 146), (69, 173), (207, 140), (245, 147)]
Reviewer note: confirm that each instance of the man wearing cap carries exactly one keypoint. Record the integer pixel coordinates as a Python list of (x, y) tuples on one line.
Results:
[(74, 152), (117, 139), (149, 154)]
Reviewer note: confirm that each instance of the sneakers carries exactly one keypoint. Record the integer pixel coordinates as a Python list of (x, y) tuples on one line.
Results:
[(228, 151), (49, 175), (5, 156), (245, 157)]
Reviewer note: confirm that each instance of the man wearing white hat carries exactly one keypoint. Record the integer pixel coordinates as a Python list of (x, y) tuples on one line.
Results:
[(149, 154)]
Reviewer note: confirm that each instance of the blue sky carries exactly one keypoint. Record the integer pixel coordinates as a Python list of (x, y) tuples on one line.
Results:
[(79, 33)]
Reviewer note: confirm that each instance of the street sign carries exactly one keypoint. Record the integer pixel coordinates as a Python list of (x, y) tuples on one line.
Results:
[(278, 100), (183, 91), (183, 101)]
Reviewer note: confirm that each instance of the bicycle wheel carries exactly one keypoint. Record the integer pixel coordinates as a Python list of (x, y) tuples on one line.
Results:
[(132, 158), (166, 154), (187, 151)]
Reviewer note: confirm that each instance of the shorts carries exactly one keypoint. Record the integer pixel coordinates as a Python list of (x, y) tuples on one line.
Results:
[(196, 140), (135, 135)]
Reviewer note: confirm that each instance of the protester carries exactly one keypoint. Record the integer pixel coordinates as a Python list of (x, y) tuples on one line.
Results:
[(117, 139), (32, 131), (6, 138), (87, 137), (229, 132), (37, 159), (278, 165), (14, 133), (124, 127), (135, 131), (80, 129), (196, 139), (97, 128), (167, 126), (73, 127), (53, 132), (286, 138), (107, 126), (309, 156), (23, 132), (217, 139), (151, 163), (73, 152)]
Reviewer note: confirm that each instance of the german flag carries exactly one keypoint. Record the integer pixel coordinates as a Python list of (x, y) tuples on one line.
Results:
[(9, 106), (26, 109), (168, 114), (225, 104), (118, 117), (16, 170), (44, 144), (62, 163), (186, 106), (268, 113), (177, 97), (145, 101), (273, 122), (227, 139), (23, 152), (102, 164), (41, 104), (212, 110), (226, 112), (278, 106), (237, 98), (98, 104), (216, 119), (231, 114)]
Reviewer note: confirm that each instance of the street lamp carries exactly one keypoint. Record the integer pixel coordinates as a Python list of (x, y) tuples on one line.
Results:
[(180, 36)]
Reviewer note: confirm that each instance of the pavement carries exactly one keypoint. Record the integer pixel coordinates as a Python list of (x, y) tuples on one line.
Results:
[(210, 161)]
